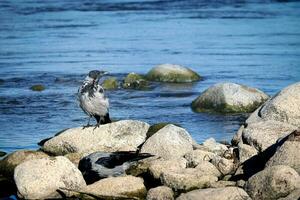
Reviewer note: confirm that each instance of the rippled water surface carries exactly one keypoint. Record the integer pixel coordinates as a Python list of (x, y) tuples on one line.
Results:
[(55, 43)]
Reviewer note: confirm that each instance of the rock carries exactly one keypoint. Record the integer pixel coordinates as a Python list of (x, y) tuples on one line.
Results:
[(2, 153), (75, 157), (156, 127), (8, 164), (273, 182), (197, 156), (135, 81), (240, 183), (221, 184), (288, 154), (125, 135), (172, 73), (226, 193), (246, 152), (187, 179), (169, 142), (208, 168), (110, 83), (160, 193), (214, 146), (262, 135), (229, 98), (40, 178), (284, 106), (100, 165), (114, 187), (157, 167), (237, 138), (292, 196), (224, 165), (37, 88)]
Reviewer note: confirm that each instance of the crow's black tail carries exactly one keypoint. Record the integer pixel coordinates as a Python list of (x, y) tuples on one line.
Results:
[(105, 119)]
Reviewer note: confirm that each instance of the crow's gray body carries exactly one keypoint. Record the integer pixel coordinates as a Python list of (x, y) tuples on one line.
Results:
[(92, 100)]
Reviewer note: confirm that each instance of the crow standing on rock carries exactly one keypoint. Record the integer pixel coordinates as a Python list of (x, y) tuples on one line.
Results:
[(92, 99)]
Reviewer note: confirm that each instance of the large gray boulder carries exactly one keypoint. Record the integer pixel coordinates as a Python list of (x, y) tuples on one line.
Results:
[(246, 152), (197, 156), (125, 135), (229, 98), (214, 146), (288, 153), (41, 178), (273, 182), (8, 164), (284, 106), (263, 134), (160, 166), (172, 73), (225, 193), (170, 142)]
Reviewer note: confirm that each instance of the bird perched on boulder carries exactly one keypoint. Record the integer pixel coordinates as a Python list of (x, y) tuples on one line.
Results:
[(92, 99), (100, 165)]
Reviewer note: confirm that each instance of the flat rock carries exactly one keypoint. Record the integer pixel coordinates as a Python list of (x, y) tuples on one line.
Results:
[(273, 183), (160, 193), (125, 135), (229, 98), (262, 135), (169, 142), (172, 73), (40, 178), (226, 193), (8, 164)]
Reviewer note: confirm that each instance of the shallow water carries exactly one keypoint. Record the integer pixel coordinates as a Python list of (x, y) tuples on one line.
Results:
[(55, 43)]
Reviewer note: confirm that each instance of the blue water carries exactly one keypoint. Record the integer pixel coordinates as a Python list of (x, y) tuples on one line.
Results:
[(55, 43)]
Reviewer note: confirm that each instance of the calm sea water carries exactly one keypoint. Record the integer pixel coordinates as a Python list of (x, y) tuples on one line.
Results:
[(55, 43)]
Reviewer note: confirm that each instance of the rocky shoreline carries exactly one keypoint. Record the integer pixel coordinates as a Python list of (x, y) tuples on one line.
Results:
[(262, 161)]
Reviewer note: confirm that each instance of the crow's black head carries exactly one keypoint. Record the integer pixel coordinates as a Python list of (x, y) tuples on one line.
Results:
[(96, 74)]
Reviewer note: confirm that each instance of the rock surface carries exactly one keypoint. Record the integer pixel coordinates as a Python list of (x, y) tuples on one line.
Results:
[(135, 81), (110, 83), (214, 146), (197, 156), (246, 152), (40, 178), (169, 142), (227, 193), (172, 73), (273, 182), (160, 193), (125, 135), (224, 165), (157, 167), (8, 164), (229, 98), (208, 168)]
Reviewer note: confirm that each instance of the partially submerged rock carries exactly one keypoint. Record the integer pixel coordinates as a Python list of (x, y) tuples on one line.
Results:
[(37, 88), (2, 153), (169, 142), (125, 135), (110, 83), (273, 182), (8, 164), (40, 178), (172, 73), (135, 81), (229, 98), (160, 193), (226, 193)]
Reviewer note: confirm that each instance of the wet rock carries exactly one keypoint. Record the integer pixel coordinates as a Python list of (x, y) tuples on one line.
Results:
[(224, 165), (187, 179), (284, 106), (135, 81), (157, 167), (172, 73), (125, 135), (2, 153), (226, 193), (8, 164), (288, 153), (197, 156), (237, 138), (169, 142), (273, 183), (262, 135), (40, 178), (229, 98), (37, 88), (110, 83), (129, 187), (214, 146), (208, 168), (160, 193), (246, 152)]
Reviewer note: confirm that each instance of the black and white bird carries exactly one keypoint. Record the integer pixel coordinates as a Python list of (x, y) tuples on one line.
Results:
[(92, 99)]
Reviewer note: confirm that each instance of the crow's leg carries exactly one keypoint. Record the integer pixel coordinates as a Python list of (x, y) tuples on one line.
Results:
[(98, 118), (88, 124)]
